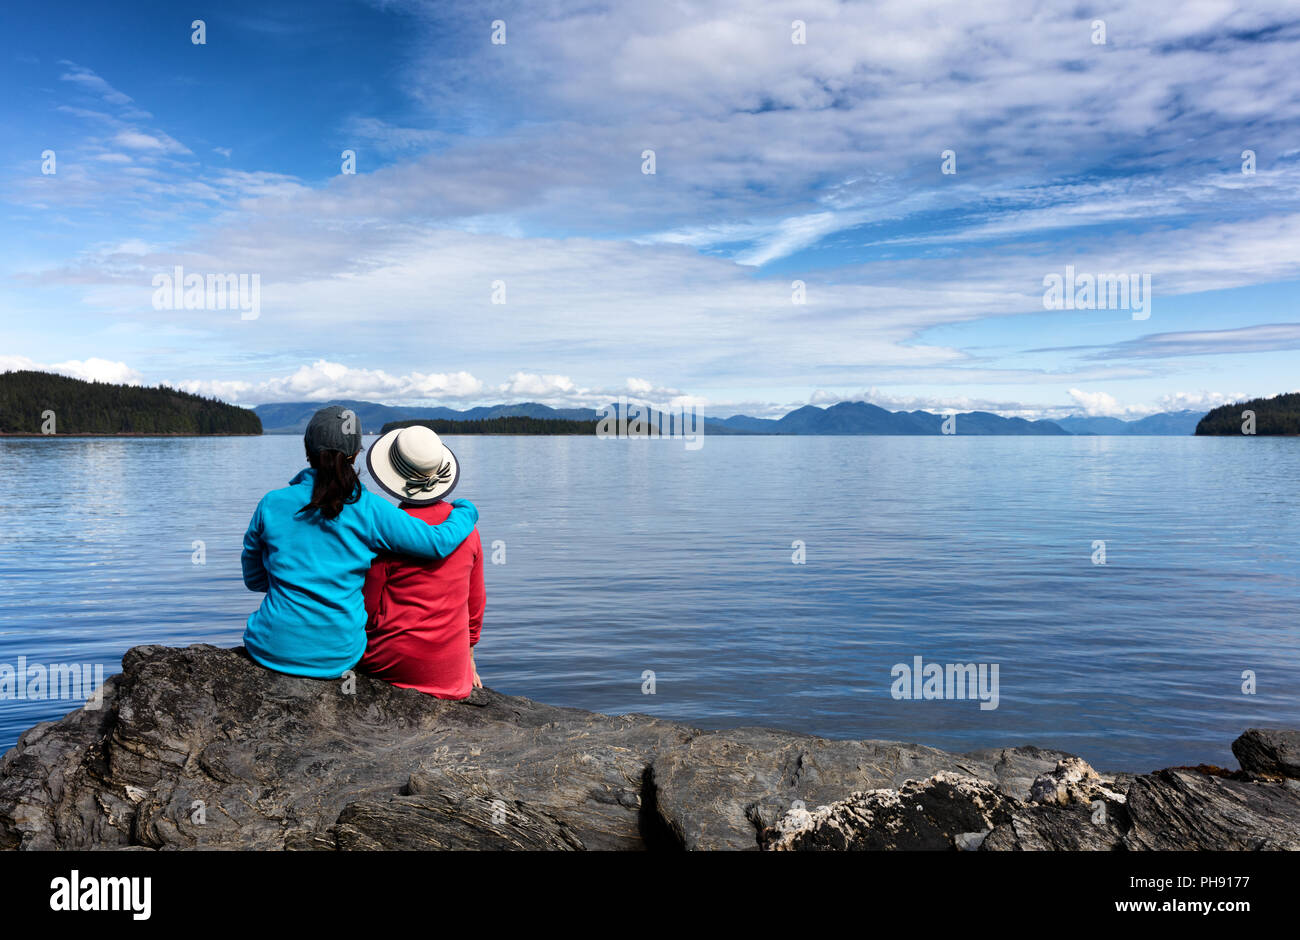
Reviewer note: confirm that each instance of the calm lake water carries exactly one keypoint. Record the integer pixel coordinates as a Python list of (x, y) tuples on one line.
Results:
[(627, 556)]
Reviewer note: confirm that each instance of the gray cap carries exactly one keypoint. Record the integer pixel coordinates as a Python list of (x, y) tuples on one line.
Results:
[(333, 428)]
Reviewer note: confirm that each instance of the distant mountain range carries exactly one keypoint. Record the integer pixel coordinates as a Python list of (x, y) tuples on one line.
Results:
[(856, 417), (859, 417), (1167, 422), (292, 418)]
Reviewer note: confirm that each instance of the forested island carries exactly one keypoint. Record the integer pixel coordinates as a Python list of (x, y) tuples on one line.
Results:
[(42, 403), (514, 424), (1277, 415)]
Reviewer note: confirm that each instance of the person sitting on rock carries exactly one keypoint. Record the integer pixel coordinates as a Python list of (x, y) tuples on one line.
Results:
[(424, 616), (310, 544)]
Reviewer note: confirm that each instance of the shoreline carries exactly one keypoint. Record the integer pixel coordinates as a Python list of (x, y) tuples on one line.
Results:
[(712, 434), (357, 764), (26, 434)]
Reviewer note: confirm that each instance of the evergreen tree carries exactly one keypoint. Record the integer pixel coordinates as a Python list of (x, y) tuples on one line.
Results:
[(1277, 415), (104, 408)]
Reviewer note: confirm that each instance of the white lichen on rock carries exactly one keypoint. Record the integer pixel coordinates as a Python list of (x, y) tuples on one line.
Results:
[(946, 807), (1073, 781)]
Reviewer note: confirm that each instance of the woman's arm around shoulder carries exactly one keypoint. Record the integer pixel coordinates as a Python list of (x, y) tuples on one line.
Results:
[(392, 530)]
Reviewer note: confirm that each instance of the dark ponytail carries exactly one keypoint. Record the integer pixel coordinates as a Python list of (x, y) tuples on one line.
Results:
[(336, 483)]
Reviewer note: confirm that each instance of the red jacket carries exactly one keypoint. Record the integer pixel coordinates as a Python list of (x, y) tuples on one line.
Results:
[(423, 617)]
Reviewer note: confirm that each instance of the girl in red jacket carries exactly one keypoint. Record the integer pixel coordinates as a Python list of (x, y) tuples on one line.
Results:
[(423, 617)]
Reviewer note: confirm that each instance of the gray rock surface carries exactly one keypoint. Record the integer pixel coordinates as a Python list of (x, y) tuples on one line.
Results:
[(1052, 827), (955, 811), (1182, 809), (203, 748), (721, 789), (1175, 809), (1271, 753), (944, 812)]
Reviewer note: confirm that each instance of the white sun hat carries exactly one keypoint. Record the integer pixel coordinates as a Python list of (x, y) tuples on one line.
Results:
[(413, 464)]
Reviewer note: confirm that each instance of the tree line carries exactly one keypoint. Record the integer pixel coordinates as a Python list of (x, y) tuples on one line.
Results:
[(1277, 415), (513, 424), (41, 402)]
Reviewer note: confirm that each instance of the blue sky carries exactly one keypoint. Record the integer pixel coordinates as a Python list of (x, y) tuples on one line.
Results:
[(775, 162)]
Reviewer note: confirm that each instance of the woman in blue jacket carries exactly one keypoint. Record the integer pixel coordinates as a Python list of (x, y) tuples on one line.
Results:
[(309, 546)]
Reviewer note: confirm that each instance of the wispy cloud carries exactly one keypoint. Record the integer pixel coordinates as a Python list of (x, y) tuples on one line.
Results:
[(775, 162), (1267, 337), (94, 84)]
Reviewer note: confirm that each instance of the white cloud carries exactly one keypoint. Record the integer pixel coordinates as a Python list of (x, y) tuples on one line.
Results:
[(325, 380), (139, 140), (1099, 404), (390, 138), (541, 386), (94, 84), (1198, 401), (91, 370), (1262, 337), (765, 150)]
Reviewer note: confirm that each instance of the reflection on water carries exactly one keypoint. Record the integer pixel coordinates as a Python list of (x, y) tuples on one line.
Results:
[(625, 556)]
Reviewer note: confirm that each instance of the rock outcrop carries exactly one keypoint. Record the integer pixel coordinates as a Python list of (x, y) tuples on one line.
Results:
[(203, 748), (1269, 753), (1071, 808)]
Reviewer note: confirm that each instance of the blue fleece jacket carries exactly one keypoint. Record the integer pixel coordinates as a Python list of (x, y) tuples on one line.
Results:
[(312, 621)]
